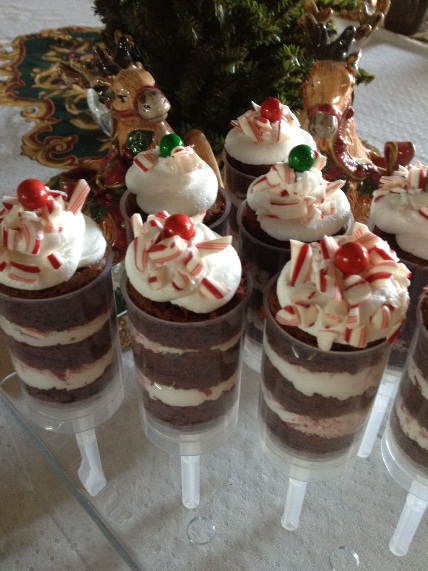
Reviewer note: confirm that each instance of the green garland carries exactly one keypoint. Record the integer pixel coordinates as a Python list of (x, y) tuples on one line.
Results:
[(211, 58)]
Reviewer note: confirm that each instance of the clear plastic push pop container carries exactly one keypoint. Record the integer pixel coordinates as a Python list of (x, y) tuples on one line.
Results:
[(236, 184), (399, 351), (313, 406), (263, 261), (188, 374), (66, 353), (405, 441)]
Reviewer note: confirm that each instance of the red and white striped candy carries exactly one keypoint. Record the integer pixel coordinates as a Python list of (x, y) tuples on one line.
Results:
[(381, 318), (166, 251), (136, 224), (424, 212), (356, 337), (355, 290), (194, 265), (320, 162), (288, 316), (328, 246), (326, 338), (380, 273), (77, 199), (145, 160), (417, 177), (353, 317), (301, 262), (207, 247), (180, 281), (212, 289)]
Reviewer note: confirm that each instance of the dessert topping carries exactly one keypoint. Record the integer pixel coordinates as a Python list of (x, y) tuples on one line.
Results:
[(310, 205), (168, 143), (346, 289), (257, 125), (301, 158), (271, 109), (44, 239), (32, 194), (177, 259), (400, 207)]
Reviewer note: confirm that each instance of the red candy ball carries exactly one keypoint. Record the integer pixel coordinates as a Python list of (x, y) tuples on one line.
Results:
[(271, 109), (351, 258), (179, 225), (32, 194)]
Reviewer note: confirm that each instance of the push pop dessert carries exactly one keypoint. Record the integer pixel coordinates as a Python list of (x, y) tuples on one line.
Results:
[(331, 315), (172, 177), (263, 136), (399, 215), (291, 201), (258, 139), (186, 296), (408, 420), (56, 301)]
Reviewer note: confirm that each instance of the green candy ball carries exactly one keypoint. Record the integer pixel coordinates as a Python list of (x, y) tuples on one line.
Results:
[(301, 158), (169, 142)]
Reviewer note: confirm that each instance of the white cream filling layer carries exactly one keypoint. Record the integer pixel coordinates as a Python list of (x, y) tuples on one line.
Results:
[(332, 427), (38, 338), (186, 397), (340, 385), (417, 377), (150, 345), (70, 379), (410, 426)]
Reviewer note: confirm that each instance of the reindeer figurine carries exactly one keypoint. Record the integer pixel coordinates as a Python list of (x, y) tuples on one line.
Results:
[(328, 94), (139, 112)]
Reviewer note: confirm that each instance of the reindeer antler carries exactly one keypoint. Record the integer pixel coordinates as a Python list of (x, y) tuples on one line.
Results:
[(370, 21), (100, 73)]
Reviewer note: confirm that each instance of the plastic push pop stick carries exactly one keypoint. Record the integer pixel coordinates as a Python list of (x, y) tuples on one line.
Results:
[(387, 391), (412, 513), (190, 481), (90, 472), (293, 504)]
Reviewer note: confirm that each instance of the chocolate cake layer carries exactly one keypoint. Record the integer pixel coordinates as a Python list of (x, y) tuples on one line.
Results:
[(65, 396), (305, 443), (402, 254), (191, 415), (251, 170), (74, 311), (315, 406), (410, 447), (197, 369), (70, 356), (161, 331), (284, 348), (213, 213)]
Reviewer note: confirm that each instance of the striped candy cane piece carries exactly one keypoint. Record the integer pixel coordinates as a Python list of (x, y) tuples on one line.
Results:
[(207, 247), (326, 338), (329, 247), (307, 313), (301, 262), (353, 317), (320, 162), (136, 224), (356, 337), (381, 318), (288, 316), (356, 290), (80, 193), (145, 160), (169, 249), (212, 289)]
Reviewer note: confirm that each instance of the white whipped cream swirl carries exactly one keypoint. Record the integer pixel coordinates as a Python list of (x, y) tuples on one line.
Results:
[(400, 207), (200, 274), (180, 183), (256, 140), (42, 248), (351, 309), (299, 205)]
